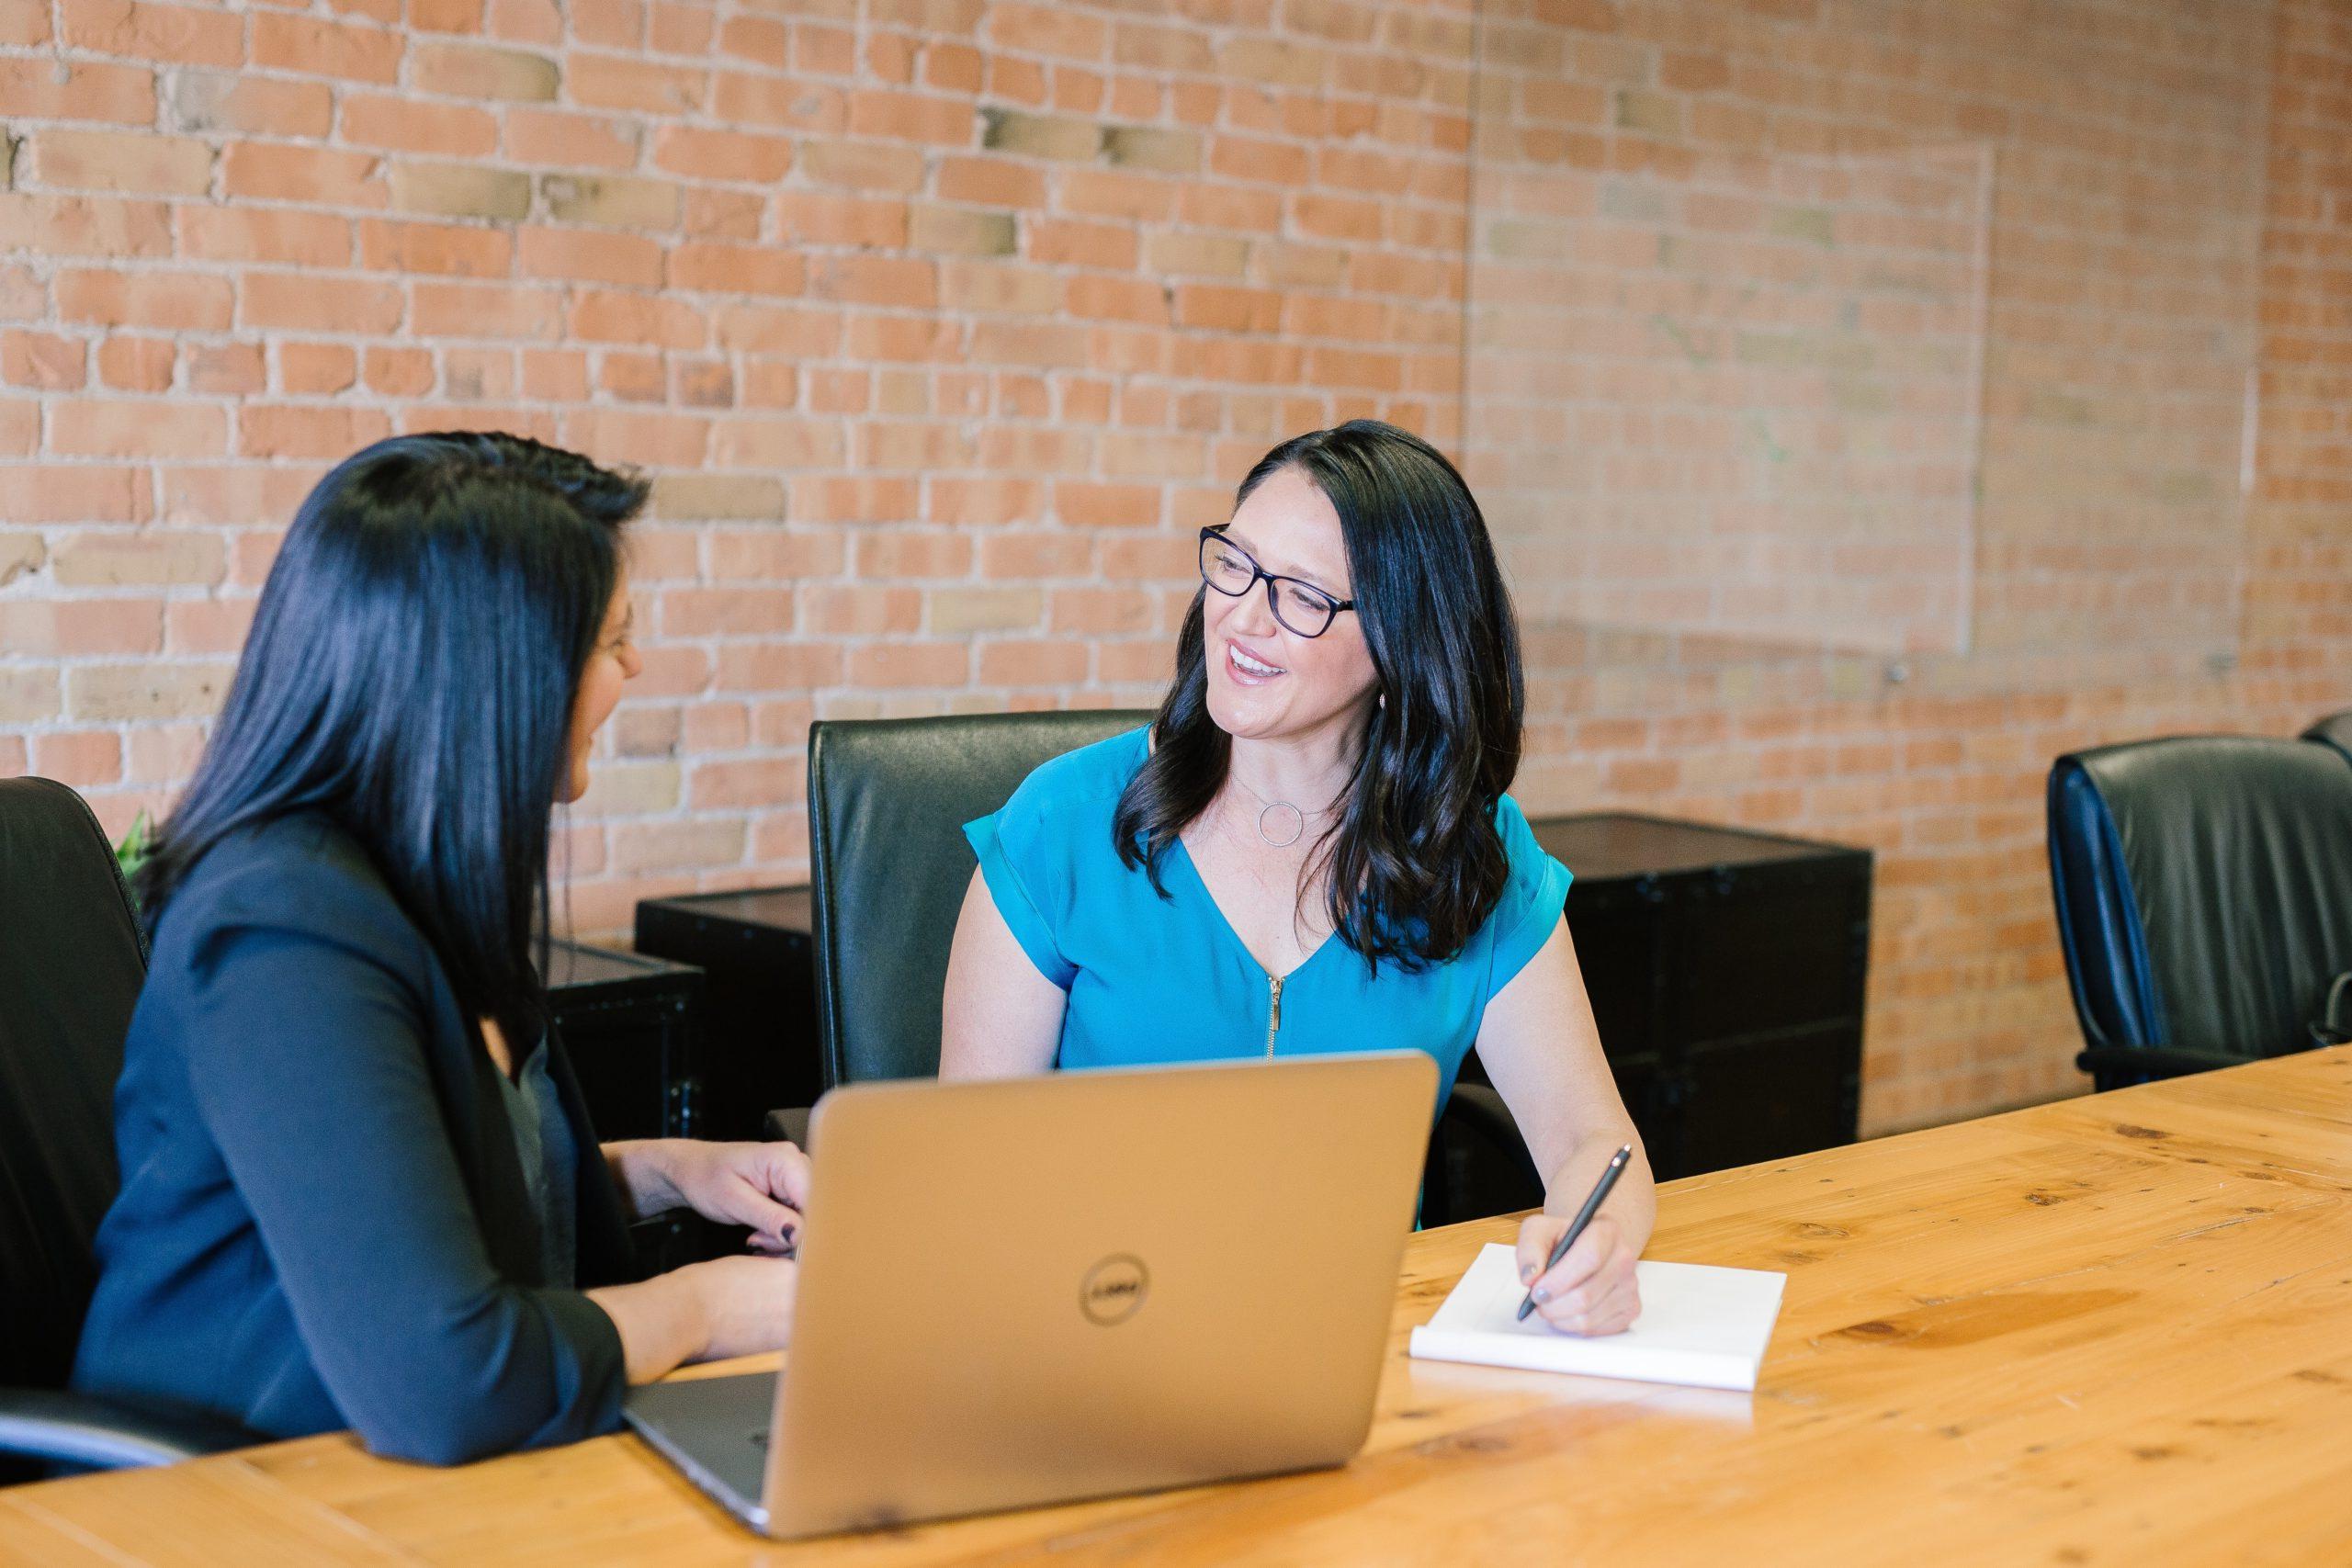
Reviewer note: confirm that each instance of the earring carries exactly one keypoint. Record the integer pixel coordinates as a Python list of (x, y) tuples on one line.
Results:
[(1383, 703)]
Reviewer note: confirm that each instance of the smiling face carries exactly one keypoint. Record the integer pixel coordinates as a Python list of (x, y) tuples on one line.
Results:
[(611, 663), (1265, 682)]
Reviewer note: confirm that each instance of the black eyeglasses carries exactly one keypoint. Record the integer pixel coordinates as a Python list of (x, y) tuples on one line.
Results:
[(1305, 609)]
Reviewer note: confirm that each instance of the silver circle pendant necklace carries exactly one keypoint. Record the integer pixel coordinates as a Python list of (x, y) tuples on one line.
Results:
[(1279, 822)]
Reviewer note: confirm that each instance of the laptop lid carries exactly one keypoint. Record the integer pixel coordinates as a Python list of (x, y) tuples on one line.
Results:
[(1039, 1290)]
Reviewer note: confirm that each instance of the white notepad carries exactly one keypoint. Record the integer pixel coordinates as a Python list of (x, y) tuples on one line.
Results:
[(1701, 1326)]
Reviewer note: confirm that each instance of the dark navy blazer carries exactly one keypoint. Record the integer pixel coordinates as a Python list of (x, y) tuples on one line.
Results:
[(322, 1221)]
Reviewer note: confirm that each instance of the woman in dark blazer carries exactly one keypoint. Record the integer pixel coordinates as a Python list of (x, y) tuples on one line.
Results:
[(359, 1188)]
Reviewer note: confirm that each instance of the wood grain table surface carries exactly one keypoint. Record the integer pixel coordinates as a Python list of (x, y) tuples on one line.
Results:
[(2116, 1329)]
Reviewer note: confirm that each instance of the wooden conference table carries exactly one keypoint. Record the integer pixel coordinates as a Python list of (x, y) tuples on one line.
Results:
[(2114, 1329)]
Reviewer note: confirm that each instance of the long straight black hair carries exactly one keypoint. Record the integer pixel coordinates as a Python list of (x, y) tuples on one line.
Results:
[(410, 674), (1415, 862)]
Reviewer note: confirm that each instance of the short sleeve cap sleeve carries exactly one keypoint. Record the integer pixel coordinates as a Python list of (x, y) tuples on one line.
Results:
[(1027, 864), (1534, 894)]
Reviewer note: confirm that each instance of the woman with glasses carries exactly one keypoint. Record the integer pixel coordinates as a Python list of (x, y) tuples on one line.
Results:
[(1309, 848)]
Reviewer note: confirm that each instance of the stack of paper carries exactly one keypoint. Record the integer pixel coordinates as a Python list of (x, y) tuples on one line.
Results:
[(1701, 1326)]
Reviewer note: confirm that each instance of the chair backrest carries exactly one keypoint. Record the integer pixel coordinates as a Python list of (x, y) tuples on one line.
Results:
[(2334, 730), (71, 961), (2204, 890), (889, 864)]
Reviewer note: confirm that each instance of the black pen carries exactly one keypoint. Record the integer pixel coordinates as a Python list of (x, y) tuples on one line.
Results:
[(1576, 1226)]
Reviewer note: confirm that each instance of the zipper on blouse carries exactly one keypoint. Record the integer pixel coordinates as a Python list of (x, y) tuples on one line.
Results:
[(1274, 1011)]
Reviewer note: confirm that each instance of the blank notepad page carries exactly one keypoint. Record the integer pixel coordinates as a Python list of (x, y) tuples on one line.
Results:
[(1701, 1326)]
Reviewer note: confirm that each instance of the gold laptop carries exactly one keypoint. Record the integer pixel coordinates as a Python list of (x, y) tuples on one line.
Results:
[(1038, 1290)]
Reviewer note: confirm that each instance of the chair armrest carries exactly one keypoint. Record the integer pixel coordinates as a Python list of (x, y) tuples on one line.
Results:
[(1477, 1162), (88, 1433), (789, 1125), (2115, 1066), (1477, 1107)]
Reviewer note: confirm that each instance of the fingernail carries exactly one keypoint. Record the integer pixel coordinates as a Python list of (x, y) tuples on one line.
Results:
[(1543, 1294), (1526, 1273)]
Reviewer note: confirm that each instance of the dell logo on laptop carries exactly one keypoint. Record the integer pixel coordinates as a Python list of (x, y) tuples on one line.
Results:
[(1113, 1289)]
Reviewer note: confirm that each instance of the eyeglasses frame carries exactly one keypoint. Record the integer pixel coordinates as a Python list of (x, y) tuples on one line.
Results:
[(1260, 574)]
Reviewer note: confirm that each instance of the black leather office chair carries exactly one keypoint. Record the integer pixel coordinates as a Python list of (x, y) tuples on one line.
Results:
[(2204, 895), (2334, 730), (888, 866), (71, 961)]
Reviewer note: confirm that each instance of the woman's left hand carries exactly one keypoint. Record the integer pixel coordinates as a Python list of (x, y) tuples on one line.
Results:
[(764, 1186)]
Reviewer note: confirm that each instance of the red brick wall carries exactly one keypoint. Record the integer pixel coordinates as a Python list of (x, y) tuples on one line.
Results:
[(941, 323), (2168, 215)]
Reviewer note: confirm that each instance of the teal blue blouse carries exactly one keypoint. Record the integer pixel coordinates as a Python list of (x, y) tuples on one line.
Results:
[(1153, 980)]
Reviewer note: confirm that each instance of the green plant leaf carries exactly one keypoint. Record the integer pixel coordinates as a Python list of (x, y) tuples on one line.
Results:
[(133, 851)]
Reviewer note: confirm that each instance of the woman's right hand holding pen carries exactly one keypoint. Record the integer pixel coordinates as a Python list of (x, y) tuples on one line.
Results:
[(1591, 1290)]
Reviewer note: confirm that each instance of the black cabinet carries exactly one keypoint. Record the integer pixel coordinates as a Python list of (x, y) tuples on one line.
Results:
[(629, 1024), (1727, 970), (761, 1051)]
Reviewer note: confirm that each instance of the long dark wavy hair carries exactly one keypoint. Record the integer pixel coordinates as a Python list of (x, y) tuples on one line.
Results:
[(410, 674), (1415, 862)]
